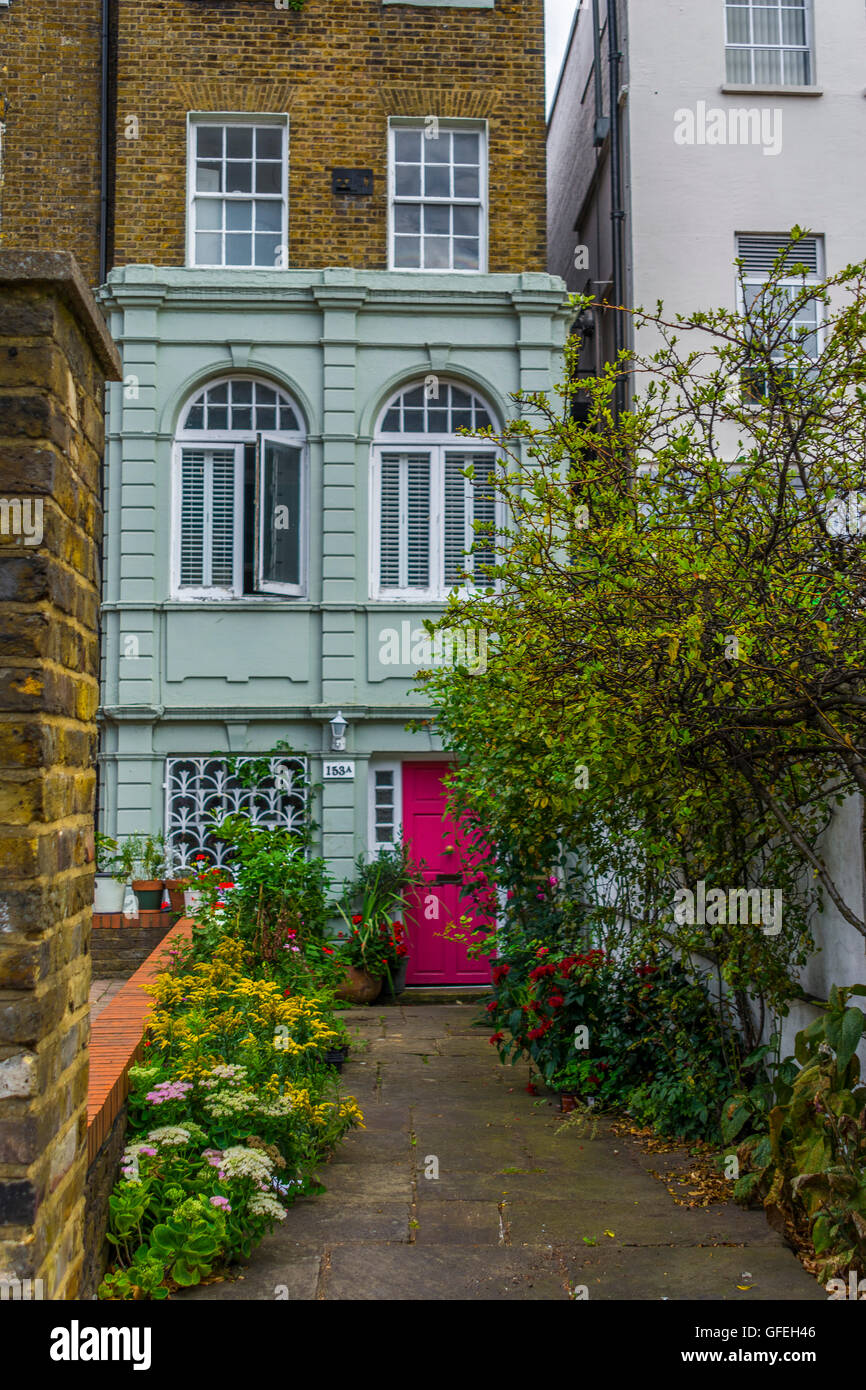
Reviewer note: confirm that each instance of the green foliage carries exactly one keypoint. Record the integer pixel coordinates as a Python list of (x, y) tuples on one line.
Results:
[(806, 1156), (621, 1033)]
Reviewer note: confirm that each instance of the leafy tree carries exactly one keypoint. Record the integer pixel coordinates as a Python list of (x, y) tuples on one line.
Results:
[(675, 689)]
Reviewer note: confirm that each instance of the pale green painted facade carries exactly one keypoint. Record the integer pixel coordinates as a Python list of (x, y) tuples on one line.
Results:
[(184, 678)]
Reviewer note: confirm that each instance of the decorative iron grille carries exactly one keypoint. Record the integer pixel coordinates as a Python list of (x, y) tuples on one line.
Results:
[(200, 792)]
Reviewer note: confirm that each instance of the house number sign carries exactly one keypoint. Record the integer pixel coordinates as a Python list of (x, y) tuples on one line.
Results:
[(339, 772)]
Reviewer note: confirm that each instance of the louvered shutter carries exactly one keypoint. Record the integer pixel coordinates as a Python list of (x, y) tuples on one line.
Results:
[(483, 516), (455, 539), (389, 523), (418, 521), (192, 519), (758, 253), (222, 521)]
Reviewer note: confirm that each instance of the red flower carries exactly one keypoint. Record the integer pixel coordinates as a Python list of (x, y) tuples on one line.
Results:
[(556, 1001), (531, 1089), (499, 973), (542, 951), (356, 919), (227, 885), (497, 1038), (492, 1006), (200, 857), (327, 950), (402, 950)]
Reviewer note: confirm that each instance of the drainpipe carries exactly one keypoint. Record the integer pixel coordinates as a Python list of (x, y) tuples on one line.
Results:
[(103, 151), (617, 213)]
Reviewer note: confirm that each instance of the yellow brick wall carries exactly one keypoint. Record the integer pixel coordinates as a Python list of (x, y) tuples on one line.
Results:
[(50, 105), (339, 68)]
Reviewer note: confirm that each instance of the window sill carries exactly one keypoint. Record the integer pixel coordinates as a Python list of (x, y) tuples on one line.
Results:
[(768, 90)]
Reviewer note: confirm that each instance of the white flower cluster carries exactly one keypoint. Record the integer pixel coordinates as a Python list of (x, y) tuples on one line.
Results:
[(263, 1204), (225, 1074), (239, 1162), (170, 1136), (227, 1104)]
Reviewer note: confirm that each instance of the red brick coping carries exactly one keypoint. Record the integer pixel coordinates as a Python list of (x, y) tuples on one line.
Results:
[(147, 917), (116, 1041)]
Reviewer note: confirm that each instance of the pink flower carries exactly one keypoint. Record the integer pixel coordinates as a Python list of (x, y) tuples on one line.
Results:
[(221, 1203)]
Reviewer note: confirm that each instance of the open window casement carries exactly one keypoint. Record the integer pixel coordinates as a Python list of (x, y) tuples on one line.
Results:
[(279, 509)]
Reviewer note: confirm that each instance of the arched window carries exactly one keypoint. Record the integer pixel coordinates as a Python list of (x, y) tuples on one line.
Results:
[(240, 493), (432, 524)]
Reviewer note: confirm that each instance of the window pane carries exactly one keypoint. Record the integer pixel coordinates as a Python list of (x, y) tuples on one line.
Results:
[(195, 418), (392, 421), (466, 149), (266, 417), (217, 417), (738, 24), (242, 417), (797, 69), (239, 250), (239, 177), (765, 23), (460, 398), (438, 151), (208, 178), (461, 420), (414, 397), (466, 222), (794, 27), (407, 218), (241, 392), (209, 142), (281, 516), (437, 253), (268, 249), (466, 254), (269, 217), (437, 221), (207, 249), (738, 66), (437, 181), (265, 395), (269, 142), (407, 146), (467, 182), (407, 180), (413, 421), (437, 421), (239, 217), (269, 177), (768, 66), (239, 142), (218, 394), (208, 212)]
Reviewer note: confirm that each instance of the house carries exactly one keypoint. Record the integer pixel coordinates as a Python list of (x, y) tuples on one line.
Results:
[(327, 251), (732, 122)]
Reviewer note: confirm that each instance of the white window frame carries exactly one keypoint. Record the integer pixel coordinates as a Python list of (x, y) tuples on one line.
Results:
[(221, 118), (797, 282), (437, 446), (780, 48), (396, 768), (224, 441), (459, 124)]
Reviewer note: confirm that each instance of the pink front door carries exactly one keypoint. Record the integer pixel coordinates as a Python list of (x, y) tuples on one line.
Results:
[(433, 837)]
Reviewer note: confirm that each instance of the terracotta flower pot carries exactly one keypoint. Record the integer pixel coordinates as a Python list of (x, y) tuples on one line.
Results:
[(149, 893), (567, 1102), (359, 987), (176, 892)]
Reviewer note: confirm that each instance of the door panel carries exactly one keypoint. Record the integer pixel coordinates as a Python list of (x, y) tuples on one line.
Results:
[(434, 837)]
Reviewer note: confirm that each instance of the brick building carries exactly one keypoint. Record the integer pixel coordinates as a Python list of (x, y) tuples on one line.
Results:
[(51, 129), (328, 248)]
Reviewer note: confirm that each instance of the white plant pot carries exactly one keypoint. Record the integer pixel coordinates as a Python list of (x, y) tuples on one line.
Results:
[(107, 894), (191, 900)]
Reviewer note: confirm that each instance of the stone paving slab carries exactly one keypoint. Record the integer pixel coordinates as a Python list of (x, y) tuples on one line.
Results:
[(521, 1204)]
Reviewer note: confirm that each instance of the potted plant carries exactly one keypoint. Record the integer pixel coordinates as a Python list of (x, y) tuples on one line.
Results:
[(107, 889), (141, 861), (180, 875), (378, 892)]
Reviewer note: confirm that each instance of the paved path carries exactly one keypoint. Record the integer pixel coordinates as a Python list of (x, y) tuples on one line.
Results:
[(101, 994), (515, 1204)]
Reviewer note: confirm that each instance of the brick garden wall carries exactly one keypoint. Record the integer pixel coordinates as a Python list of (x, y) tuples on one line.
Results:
[(339, 68), (55, 354), (50, 107)]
